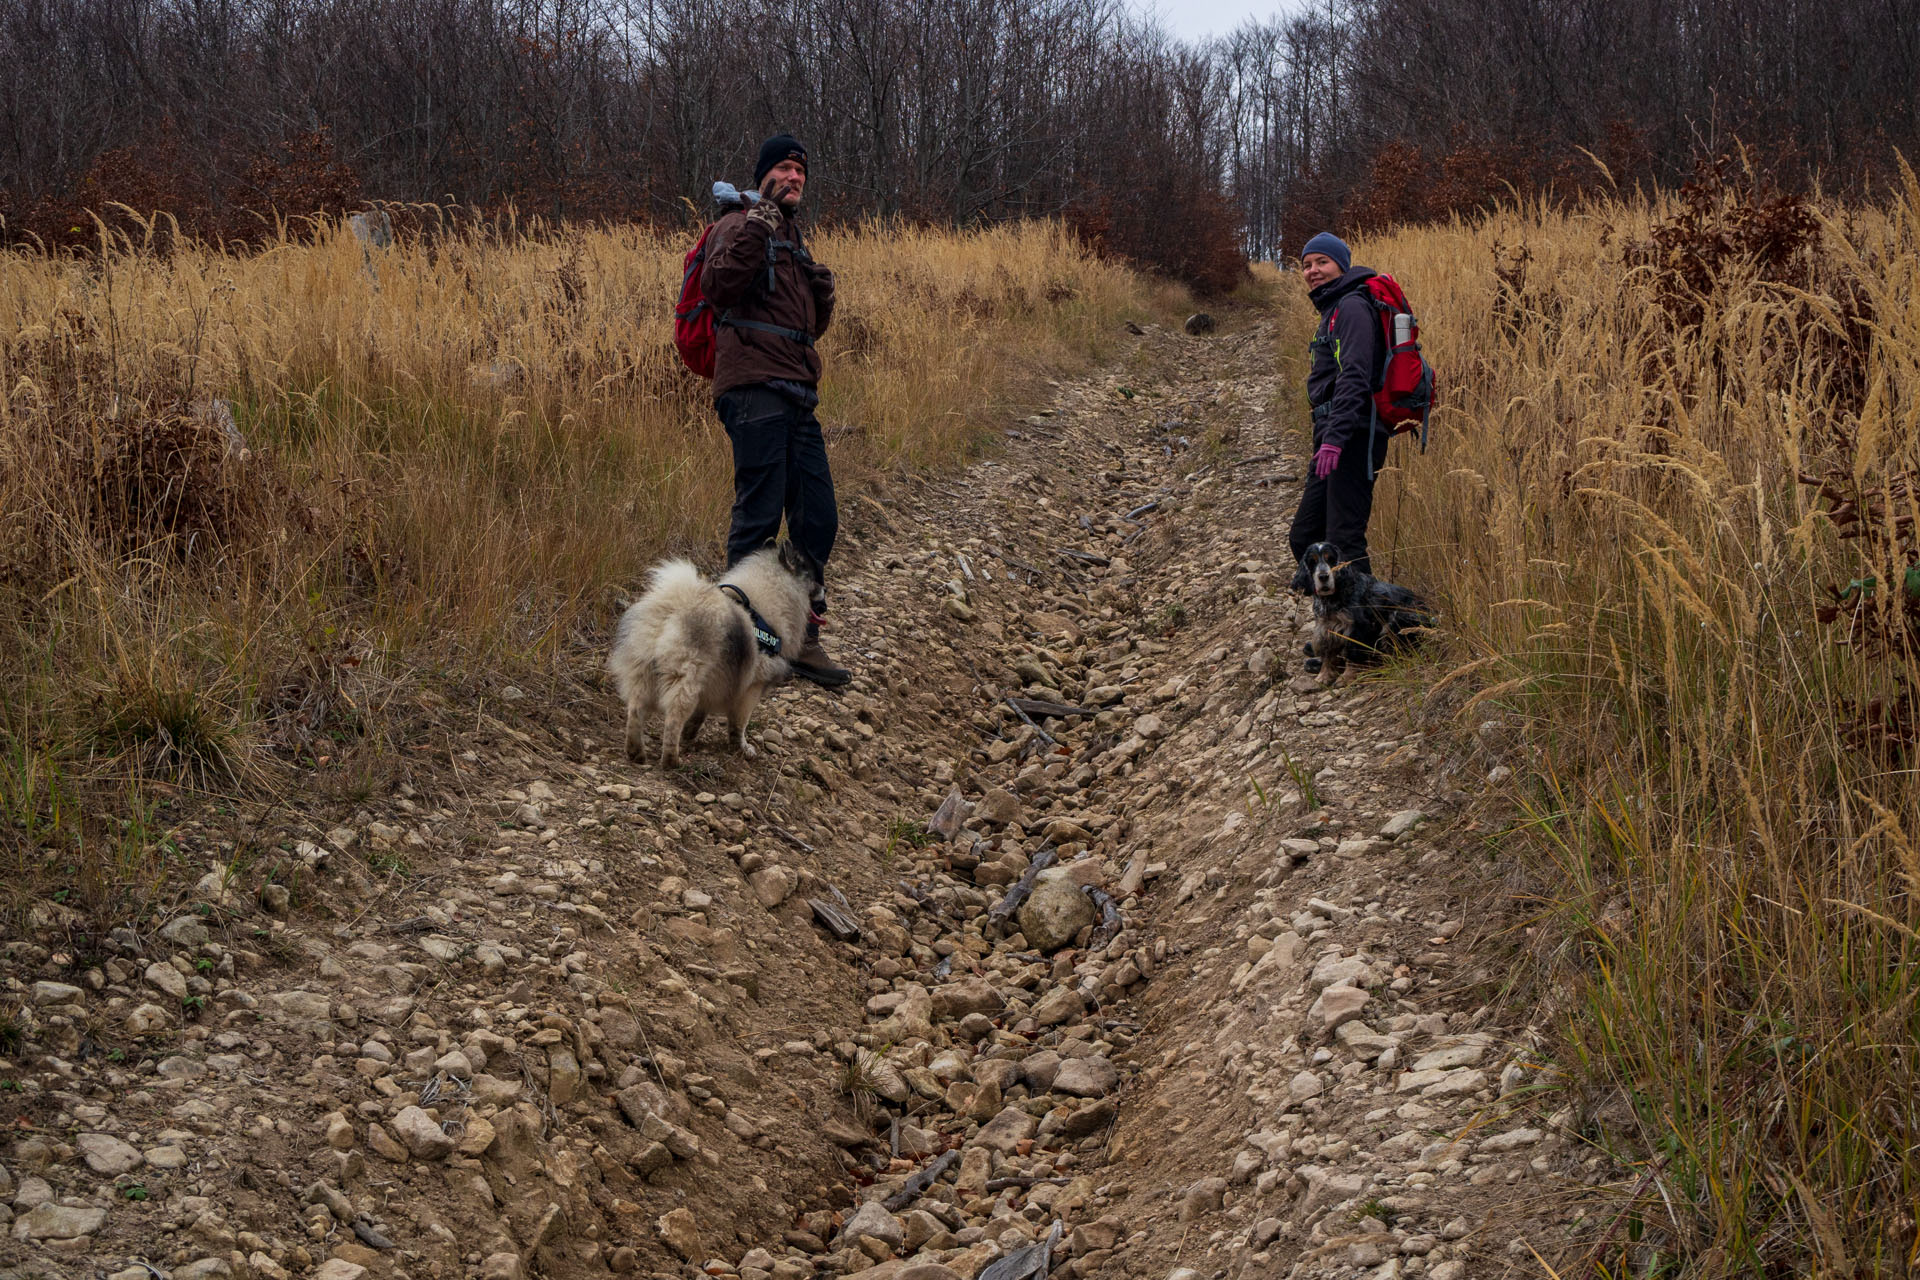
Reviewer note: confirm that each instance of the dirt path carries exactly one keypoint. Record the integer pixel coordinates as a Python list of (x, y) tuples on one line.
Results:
[(535, 1010)]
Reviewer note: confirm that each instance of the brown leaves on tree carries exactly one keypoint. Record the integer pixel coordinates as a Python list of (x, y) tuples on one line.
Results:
[(1729, 215)]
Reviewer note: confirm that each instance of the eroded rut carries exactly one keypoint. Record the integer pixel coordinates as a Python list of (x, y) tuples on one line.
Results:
[(539, 1011)]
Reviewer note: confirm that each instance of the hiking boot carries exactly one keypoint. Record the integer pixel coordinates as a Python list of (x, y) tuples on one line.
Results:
[(812, 663)]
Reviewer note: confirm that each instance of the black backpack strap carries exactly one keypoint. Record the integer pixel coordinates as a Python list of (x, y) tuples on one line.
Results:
[(791, 335), (1378, 309)]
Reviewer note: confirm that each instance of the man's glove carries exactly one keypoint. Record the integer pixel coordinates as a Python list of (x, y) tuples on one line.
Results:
[(1325, 460), (766, 211)]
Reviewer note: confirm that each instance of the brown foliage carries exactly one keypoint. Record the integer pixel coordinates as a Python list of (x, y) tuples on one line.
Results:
[(1404, 187), (165, 187), (1729, 214), (302, 175), (180, 480), (1193, 236)]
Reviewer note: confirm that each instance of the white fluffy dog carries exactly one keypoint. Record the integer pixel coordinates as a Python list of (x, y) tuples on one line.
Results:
[(688, 647)]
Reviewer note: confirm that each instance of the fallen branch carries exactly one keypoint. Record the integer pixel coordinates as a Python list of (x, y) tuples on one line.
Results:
[(1001, 1184), (1031, 723), (998, 696), (369, 1237), (839, 923), (913, 1188), (788, 836), (1110, 921), (1021, 565), (1004, 909), (1056, 710)]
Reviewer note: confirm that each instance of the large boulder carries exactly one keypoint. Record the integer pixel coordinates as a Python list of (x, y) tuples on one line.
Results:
[(422, 1135), (912, 1018), (999, 807), (1062, 1004), (679, 1230), (107, 1154), (1006, 1131), (957, 999), (872, 1219), (773, 885), (1086, 1077), (51, 1221), (1055, 912)]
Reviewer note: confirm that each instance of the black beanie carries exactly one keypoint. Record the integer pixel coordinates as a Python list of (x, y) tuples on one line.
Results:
[(782, 146)]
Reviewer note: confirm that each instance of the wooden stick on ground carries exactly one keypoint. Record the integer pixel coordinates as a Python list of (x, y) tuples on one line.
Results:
[(920, 1181)]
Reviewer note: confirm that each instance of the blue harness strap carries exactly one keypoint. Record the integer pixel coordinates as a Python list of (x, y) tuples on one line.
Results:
[(763, 635)]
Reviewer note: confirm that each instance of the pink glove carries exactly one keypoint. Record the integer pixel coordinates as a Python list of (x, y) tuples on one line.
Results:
[(1326, 460)]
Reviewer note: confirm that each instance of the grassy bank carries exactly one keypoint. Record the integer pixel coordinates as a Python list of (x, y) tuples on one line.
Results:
[(259, 512), (1706, 686)]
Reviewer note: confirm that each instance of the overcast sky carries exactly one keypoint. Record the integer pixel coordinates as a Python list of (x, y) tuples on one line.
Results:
[(1198, 19)]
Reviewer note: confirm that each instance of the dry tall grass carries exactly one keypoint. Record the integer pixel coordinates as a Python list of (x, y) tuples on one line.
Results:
[(1723, 837), (255, 507)]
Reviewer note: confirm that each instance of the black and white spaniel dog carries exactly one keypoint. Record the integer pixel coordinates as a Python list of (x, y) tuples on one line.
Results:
[(1356, 617)]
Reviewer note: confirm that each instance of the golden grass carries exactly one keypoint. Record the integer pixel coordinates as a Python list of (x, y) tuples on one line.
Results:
[(453, 456), (1720, 849)]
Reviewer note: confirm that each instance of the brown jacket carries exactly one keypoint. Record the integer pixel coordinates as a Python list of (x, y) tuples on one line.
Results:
[(735, 283)]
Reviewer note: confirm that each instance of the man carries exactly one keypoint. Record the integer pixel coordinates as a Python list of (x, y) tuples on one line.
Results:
[(1337, 500), (771, 300)]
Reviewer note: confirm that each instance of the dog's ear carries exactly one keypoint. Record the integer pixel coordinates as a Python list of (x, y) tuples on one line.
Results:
[(1302, 579), (794, 560)]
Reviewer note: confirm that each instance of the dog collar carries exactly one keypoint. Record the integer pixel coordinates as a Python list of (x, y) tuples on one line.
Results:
[(765, 636)]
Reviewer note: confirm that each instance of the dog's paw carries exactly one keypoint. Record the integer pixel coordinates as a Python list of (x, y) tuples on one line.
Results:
[(637, 752), (747, 749), (1310, 651), (1312, 664)]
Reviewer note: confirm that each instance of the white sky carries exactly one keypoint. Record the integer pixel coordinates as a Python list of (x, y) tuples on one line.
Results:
[(1198, 19)]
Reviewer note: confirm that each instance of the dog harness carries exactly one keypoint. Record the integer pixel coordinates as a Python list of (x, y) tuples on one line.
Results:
[(763, 635)]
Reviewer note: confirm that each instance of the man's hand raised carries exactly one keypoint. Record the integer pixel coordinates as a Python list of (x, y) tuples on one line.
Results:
[(765, 210), (777, 188)]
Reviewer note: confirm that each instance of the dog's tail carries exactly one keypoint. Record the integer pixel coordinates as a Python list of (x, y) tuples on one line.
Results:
[(673, 588), (674, 575)]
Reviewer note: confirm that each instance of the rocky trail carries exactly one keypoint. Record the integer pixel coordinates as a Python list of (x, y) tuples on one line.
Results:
[(1080, 936)]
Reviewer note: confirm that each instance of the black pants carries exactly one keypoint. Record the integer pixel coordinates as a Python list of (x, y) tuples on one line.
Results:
[(1337, 508), (779, 468)]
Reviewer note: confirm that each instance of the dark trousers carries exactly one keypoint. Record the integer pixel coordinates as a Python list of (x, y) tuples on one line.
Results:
[(1337, 508), (779, 468)]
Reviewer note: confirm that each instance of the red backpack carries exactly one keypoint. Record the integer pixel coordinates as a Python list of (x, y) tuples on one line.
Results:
[(1404, 397), (692, 315)]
